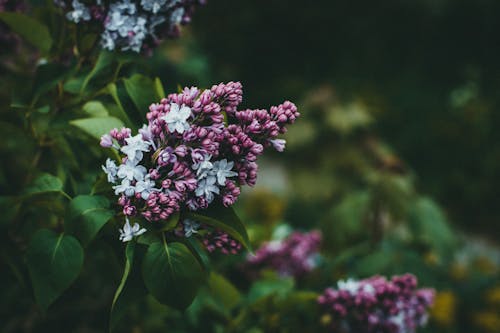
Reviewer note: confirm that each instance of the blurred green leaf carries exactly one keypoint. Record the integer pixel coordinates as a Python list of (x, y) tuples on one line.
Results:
[(120, 112), (222, 291), (430, 226), (95, 109), (131, 287), (270, 285), (347, 221), (87, 214), (223, 218), (159, 88), (104, 60), (96, 127), (44, 183), (54, 262), (172, 274), (30, 29), (142, 90)]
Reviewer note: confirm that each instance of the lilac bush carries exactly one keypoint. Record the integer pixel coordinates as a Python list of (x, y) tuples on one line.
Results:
[(377, 305), (197, 148), (131, 25), (293, 256)]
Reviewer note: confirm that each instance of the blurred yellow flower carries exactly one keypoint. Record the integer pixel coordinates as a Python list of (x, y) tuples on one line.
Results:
[(326, 319), (488, 320), (265, 206), (444, 310), (493, 296)]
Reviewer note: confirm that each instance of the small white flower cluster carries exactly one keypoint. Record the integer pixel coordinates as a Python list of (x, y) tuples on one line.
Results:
[(127, 24), (209, 175), (79, 12), (131, 170), (353, 287)]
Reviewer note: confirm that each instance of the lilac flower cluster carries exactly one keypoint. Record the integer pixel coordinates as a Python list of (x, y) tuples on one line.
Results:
[(222, 242), (213, 239), (136, 25), (293, 256), (196, 148), (376, 305)]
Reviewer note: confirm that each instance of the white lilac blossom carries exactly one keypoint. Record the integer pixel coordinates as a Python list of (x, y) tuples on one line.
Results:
[(222, 170), (145, 188), (352, 286), (110, 169), (204, 167), (207, 188), (131, 25), (125, 187), (177, 117), (130, 171), (190, 227), (79, 12), (135, 147), (196, 150), (278, 144), (147, 135), (127, 233), (349, 285), (153, 5)]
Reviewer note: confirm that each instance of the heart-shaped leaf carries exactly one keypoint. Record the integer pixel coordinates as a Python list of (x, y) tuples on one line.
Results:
[(54, 262), (172, 274), (87, 214)]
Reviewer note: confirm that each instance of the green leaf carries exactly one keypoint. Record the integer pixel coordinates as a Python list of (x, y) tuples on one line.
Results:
[(199, 251), (103, 62), (159, 88), (120, 112), (54, 262), (45, 183), (225, 219), (87, 214), (131, 287), (430, 226), (270, 285), (172, 274), (95, 109), (142, 91), (96, 127), (223, 291), (30, 29)]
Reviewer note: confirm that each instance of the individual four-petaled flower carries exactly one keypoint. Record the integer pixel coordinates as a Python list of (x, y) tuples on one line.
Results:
[(135, 147), (129, 232), (177, 117), (222, 170), (110, 169)]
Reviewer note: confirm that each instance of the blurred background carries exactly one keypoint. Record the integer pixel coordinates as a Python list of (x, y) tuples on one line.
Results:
[(395, 159)]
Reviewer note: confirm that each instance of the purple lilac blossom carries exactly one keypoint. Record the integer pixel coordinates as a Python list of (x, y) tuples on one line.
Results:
[(220, 241), (135, 25), (187, 156), (293, 256), (377, 305)]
